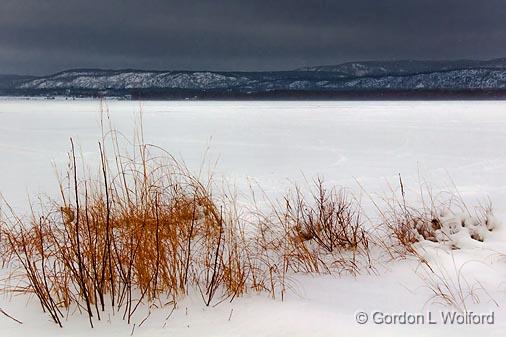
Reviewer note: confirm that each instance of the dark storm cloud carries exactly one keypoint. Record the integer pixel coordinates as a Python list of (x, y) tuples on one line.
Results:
[(40, 36)]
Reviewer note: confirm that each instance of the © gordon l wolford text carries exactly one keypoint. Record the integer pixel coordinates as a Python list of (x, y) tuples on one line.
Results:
[(429, 318)]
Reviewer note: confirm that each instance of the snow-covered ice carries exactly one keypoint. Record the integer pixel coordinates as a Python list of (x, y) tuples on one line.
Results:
[(360, 145)]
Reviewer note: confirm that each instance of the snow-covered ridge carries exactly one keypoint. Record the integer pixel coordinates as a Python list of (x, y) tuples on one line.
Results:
[(132, 79), (404, 67), (398, 75)]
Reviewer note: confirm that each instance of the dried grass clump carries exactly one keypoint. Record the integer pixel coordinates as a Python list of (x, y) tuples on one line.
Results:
[(444, 220), (146, 231), (449, 286)]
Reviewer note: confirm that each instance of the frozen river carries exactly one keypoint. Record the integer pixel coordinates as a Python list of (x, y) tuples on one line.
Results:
[(272, 143)]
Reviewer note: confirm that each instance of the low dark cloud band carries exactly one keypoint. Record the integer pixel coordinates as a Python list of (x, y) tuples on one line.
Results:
[(42, 36)]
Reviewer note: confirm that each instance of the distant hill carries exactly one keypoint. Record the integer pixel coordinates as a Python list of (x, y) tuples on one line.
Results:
[(438, 79), (405, 67)]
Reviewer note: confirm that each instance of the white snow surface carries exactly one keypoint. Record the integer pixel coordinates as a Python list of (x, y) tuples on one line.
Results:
[(361, 145)]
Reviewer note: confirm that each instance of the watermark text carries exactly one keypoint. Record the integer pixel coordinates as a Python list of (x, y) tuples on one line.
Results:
[(425, 318)]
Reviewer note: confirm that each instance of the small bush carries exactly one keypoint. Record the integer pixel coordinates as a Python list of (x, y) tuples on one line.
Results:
[(325, 232)]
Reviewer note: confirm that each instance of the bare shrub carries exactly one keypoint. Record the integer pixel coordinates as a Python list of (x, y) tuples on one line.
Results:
[(324, 233)]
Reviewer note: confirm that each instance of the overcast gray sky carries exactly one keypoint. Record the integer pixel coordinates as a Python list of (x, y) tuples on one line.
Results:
[(44, 36)]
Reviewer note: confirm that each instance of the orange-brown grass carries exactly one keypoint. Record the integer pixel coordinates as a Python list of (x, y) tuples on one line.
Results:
[(146, 230), (407, 225)]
